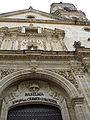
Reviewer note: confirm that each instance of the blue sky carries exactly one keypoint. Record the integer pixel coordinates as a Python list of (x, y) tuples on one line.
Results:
[(43, 5)]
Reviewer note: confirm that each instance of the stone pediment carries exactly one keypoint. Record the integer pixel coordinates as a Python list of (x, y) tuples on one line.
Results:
[(28, 14)]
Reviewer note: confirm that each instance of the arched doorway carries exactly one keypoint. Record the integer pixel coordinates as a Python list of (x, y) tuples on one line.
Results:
[(48, 86), (34, 112)]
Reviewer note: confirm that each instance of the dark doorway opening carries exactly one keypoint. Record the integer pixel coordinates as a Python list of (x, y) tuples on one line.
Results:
[(34, 112)]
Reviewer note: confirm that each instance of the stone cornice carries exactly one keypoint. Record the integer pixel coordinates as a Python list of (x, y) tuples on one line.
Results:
[(82, 52), (67, 22), (44, 32), (79, 54), (35, 55)]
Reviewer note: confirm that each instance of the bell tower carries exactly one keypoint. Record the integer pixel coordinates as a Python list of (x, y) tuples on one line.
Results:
[(67, 10)]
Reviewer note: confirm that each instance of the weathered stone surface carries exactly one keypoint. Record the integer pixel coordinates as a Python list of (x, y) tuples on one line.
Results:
[(39, 64)]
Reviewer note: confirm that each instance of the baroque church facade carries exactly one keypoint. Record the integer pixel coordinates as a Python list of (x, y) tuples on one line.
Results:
[(45, 64)]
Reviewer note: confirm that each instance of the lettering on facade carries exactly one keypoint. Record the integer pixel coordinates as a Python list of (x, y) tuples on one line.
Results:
[(34, 99), (34, 94)]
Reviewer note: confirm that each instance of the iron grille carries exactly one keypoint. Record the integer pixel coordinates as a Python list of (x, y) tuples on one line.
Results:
[(34, 112)]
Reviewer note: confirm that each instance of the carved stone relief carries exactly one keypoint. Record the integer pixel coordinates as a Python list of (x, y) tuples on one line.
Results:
[(15, 91), (55, 95), (5, 72), (32, 89), (78, 70), (68, 75), (11, 94), (24, 44)]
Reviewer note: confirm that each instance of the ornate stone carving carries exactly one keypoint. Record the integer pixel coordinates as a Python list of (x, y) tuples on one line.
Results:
[(6, 72), (31, 38), (34, 87), (34, 68), (68, 75), (28, 86), (56, 95), (78, 70), (11, 95), (23, 86), (24, 44)]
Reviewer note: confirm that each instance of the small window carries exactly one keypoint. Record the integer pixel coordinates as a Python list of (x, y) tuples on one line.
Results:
[(87, 29), (29, 30), (67, 9), (30, 16)]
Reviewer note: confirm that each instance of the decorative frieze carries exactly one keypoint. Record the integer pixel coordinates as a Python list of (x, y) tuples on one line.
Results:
[(16, 39)]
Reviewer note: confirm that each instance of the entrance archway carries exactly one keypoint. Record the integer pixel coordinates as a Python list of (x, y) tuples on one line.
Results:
[(49, 77), (34, 112)]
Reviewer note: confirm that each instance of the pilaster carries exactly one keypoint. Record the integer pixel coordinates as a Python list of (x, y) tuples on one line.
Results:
[(81, 77), (81, 113)]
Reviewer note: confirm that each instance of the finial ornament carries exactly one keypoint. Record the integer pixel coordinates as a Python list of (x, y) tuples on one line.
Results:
[(30, 7)]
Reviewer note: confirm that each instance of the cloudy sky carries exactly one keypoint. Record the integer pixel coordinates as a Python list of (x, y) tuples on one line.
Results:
[(43, 5)]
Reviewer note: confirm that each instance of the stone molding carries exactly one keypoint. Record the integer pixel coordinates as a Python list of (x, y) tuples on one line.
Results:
[(79, 100), (79, 54), (65, 22)]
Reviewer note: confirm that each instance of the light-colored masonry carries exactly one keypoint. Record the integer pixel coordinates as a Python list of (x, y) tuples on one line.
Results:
[(45, 59)]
